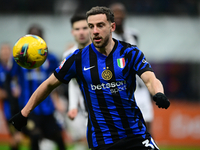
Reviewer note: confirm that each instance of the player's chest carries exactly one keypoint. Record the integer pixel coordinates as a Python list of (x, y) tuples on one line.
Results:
[(104, 70)]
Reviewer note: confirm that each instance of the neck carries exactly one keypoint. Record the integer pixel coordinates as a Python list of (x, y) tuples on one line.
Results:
[(108, 48)]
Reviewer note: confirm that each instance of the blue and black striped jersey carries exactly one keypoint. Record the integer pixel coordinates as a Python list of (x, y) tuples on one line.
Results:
[(108, 84)]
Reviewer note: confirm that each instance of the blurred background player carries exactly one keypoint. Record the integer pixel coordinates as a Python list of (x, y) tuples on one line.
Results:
[(9, 92), (42, 122), (77, 111), (142, 94)]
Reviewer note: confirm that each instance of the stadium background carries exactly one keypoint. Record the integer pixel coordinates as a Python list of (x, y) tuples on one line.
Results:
[(169, 36)]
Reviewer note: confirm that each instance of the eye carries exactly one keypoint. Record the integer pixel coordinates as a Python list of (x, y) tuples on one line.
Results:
[(100, 25), (90, 26), (85, 28), (76, 29)]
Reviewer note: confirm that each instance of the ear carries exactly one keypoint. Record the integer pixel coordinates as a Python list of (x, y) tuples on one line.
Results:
[(113, 26)]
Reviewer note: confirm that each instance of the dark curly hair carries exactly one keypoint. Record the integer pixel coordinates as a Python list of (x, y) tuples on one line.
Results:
[(101, 10), (77, 17)]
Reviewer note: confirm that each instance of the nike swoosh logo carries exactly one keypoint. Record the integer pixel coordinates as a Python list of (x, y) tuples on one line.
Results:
[(88, 68)]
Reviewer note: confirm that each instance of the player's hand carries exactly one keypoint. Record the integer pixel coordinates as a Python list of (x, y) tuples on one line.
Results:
[(161, 100), (72, 113), (18, 121)]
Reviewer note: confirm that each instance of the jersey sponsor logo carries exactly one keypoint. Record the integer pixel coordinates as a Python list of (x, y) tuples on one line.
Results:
[(62, 63), (113, 86), (106, 74), (85, 69), (121, 62)]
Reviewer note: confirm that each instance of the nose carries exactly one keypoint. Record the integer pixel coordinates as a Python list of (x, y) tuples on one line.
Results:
[(95, 30), (81, 31)]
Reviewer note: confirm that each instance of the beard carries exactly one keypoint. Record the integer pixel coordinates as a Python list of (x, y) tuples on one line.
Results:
[(102, 44)]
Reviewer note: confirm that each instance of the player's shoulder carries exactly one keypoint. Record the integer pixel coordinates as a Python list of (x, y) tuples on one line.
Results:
[(128, 46), (131, 31)]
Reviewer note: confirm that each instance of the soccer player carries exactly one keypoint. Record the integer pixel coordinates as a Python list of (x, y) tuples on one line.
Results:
[(141, 93), (105, 71)]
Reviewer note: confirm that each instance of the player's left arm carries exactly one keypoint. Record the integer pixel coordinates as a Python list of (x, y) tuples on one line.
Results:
[(153, 84), (156, 89)]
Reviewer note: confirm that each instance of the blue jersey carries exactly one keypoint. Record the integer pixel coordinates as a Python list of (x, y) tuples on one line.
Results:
[(51, 63), (35, 77), (6, 104), (108, 84), (20, 73), (10, 103), (30, 79)]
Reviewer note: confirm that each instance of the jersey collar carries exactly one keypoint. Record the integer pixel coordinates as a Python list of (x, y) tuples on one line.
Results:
[(100, 54)]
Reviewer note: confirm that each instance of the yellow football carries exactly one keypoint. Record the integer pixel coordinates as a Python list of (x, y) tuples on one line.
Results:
[(30, 51)]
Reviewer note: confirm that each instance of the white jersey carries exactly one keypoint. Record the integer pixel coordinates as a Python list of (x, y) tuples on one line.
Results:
[(142, 95), (129, 36)]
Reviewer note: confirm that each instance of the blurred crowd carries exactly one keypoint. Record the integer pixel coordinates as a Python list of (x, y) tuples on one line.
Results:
[(143, 7)]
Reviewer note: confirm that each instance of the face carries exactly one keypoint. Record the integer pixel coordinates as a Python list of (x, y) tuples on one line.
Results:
[(100, 30), (80, 32), (119, 15), (5, 53)]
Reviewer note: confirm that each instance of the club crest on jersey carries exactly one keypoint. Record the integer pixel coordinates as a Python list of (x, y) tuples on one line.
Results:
[(62, 63), (121, 62), (106, 74)]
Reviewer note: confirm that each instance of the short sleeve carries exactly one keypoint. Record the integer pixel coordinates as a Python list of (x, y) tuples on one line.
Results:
[(67, 69), (140, 63)]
